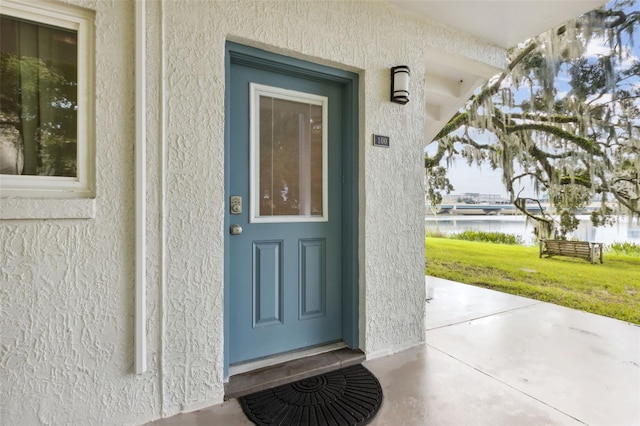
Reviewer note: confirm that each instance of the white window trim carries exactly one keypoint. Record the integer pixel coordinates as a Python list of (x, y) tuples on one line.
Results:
[(40, 188), (257, 90)]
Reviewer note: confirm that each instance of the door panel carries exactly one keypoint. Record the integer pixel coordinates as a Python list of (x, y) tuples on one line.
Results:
[(312, 282), (267, 283), (285, 268)]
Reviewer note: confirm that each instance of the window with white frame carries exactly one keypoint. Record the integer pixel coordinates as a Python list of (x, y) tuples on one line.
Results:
[(46, 101)]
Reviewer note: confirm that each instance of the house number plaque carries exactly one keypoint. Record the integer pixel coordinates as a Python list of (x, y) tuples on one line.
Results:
[(382, 141)]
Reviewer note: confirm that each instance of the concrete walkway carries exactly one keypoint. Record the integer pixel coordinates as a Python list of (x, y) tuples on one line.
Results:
[(495, 359)]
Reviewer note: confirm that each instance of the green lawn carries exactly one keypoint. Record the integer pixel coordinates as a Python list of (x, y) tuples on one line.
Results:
[(611, 289)]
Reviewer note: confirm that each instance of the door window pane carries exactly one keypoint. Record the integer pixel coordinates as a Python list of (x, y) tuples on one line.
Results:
[(38, 99), (289, 151)]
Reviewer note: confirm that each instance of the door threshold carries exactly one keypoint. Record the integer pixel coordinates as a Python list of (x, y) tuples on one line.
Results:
[(329, 358), (245, 367)]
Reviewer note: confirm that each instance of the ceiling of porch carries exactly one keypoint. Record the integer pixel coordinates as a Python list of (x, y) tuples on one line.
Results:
[(502, 23)]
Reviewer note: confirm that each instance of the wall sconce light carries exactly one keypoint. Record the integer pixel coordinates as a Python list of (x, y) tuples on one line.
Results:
[(400, 84)]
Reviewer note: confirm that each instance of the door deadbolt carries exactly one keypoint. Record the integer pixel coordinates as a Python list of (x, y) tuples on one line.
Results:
[(235, 229), (236, 204)]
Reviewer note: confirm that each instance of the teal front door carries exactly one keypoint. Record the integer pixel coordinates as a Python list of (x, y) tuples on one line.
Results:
[(284, 215)]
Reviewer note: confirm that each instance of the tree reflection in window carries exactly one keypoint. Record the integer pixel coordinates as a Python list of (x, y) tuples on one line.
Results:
[(290, 158), (38, 99)]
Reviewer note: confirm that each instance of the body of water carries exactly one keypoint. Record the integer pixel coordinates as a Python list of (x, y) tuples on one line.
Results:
[(623, 231)]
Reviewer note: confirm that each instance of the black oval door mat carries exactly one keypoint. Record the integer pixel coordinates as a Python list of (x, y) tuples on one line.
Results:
[(350, 396)]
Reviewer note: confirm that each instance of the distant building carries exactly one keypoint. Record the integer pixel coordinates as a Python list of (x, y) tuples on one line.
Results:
[(474, 198)]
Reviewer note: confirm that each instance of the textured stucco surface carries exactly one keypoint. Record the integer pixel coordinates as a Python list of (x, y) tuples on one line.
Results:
[(67, 285)]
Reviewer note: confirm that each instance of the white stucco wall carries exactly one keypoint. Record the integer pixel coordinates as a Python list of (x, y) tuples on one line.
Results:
[(67, 286)]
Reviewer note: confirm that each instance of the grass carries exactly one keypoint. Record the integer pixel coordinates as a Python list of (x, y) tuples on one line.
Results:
[(630, 249), (489, 237), (611, 289)]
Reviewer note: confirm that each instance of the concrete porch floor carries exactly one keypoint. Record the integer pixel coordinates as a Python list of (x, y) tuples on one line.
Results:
[(495, 359)]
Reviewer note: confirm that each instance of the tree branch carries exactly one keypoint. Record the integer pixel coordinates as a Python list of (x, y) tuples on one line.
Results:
[(458, 120), (586, 144)]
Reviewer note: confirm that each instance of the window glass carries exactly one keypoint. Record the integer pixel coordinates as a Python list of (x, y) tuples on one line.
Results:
[(38, 99), (290, 158), (289, 181)]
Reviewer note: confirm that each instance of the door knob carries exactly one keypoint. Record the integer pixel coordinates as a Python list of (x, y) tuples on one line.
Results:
[(235, 229)]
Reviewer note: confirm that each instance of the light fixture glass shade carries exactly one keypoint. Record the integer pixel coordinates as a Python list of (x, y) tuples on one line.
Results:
[(400, 84)]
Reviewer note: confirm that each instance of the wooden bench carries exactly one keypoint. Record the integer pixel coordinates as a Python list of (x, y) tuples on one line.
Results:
[(581, 249)]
